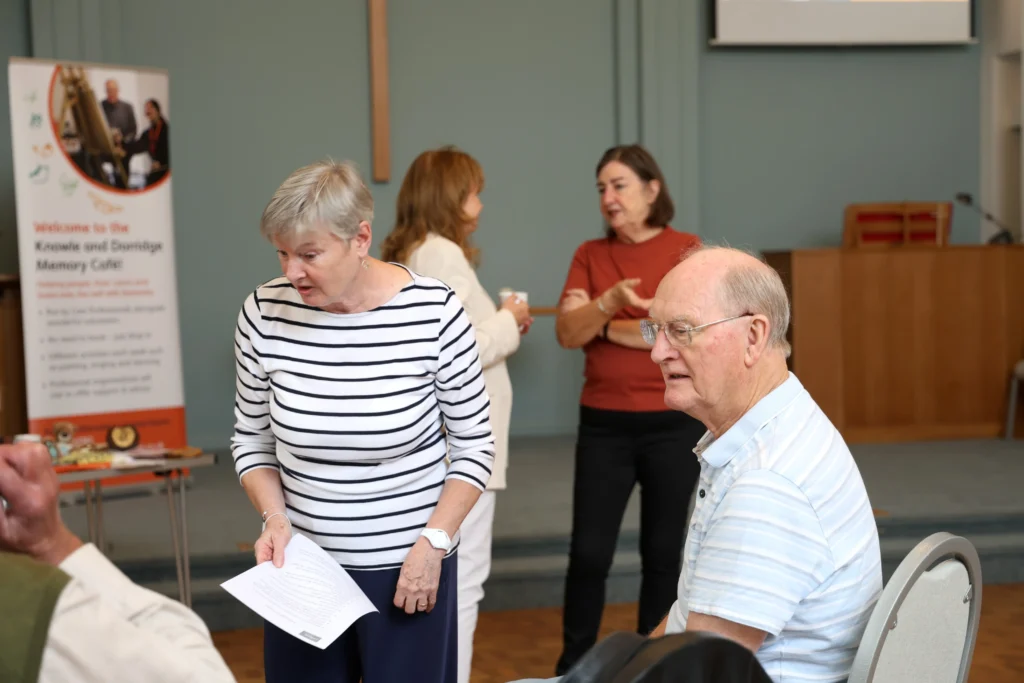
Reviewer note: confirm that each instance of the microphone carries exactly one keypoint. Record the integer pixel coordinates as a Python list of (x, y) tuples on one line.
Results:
[(1004, 236)]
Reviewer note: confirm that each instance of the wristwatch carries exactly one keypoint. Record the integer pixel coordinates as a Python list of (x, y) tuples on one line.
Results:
[(438, 538)]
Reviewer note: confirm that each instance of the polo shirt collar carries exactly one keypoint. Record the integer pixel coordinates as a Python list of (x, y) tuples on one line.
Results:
[(719, 452)]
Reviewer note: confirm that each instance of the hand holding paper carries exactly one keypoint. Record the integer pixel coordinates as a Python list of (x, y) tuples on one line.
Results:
[(310, 597)]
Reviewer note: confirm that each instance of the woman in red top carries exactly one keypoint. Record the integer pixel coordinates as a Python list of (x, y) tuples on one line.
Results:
[(626, 433)]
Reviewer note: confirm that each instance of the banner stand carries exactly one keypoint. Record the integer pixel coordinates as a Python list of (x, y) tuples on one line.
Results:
[(91, 146)]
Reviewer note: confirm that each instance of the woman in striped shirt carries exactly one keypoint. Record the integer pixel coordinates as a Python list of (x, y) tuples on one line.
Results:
[(355, 380)]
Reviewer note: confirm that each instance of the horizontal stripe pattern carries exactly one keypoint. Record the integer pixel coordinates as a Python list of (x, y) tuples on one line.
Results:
[(784, 539), (365, 416)]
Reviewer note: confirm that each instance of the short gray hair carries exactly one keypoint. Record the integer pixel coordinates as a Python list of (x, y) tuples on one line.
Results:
[(327, 194), (756, 289)]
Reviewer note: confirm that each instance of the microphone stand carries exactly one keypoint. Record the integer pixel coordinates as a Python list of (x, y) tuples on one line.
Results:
[(1004, 236)]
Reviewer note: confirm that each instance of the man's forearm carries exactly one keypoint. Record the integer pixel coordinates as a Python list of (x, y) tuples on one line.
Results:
[(659, 630), (627, 333)]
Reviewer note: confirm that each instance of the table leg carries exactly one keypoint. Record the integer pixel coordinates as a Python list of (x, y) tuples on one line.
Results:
[(89, 521), (174, 537), (101, 540), (184, 541)]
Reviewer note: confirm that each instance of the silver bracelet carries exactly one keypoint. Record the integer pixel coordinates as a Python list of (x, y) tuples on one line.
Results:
[(275, 514), (601, 307)]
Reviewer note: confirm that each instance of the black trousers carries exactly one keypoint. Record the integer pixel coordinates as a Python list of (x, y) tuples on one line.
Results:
[(615, 451)]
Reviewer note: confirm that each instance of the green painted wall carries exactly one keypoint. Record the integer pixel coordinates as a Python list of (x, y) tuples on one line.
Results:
[(788, 138), (14, 42), (761, 148)]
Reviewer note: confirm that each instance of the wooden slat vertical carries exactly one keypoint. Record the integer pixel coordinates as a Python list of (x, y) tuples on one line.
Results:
[(379, 97), (13, 409)]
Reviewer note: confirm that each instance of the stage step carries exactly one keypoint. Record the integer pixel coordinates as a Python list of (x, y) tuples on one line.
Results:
[(531, 572)]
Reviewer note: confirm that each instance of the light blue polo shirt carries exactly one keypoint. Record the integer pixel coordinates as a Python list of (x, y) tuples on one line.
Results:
[(783, 538)]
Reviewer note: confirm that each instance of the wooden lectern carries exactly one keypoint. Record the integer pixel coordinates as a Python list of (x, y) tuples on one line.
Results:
[(907, 343)]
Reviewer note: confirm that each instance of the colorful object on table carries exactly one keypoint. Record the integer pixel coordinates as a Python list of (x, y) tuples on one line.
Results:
[(64, 434), (123, 437)]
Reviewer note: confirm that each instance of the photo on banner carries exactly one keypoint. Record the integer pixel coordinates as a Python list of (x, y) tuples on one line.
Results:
[(93, 180)]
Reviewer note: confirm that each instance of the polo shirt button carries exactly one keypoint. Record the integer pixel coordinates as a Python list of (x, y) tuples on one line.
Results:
[(701, 493)]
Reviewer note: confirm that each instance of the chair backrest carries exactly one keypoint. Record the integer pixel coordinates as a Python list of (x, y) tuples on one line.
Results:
[(897, 223), (925, 623)]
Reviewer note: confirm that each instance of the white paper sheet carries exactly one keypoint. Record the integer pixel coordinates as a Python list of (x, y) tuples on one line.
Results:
[(310, 597)]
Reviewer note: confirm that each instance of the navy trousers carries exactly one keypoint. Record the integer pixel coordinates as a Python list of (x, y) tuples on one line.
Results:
[(388, 646)]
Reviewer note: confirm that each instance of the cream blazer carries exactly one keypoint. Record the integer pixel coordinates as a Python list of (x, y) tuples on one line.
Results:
[(497, 334)]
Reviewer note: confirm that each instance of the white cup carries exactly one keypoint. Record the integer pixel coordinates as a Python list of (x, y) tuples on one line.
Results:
[(506, 292)]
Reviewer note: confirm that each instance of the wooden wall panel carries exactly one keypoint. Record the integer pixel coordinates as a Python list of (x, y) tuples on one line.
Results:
[(13, 410), (816, 327), (1013, 313), (910, 343)]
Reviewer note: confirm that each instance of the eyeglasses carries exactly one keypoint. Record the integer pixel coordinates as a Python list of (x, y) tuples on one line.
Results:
[(678, 333)]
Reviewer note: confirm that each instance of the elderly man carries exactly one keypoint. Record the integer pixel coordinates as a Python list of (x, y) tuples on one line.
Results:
[(120, 115), (68, 614), (782, 552)]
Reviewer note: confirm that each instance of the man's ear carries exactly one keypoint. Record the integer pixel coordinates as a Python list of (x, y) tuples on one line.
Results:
[(757, 338)]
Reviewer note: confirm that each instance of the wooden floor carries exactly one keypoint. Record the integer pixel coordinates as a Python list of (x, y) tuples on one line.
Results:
[(525, 643)]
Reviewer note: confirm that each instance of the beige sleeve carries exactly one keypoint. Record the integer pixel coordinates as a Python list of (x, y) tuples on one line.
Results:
[(497, 334), (106, 628)]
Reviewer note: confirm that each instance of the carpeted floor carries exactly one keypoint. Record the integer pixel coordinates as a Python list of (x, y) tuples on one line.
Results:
[(525, 643)]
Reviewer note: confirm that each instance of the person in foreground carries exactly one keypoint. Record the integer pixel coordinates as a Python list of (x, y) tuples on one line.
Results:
[(357, 382), (782, 553), (437, 212), (71, 615)]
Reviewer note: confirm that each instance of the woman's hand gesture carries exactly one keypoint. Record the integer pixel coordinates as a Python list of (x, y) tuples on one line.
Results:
[(419, 578), (623, 294)]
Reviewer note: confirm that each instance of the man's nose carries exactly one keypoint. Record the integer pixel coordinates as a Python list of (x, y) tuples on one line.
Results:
[(662, 350)]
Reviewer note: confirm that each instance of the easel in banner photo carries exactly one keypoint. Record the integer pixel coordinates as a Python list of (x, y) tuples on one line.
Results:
[(90, 123)]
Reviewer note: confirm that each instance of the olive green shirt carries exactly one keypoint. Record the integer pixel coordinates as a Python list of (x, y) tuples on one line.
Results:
[(28, 594)]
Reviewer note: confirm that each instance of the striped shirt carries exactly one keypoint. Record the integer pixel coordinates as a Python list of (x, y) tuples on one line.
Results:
[(783, 539), (365, 415)]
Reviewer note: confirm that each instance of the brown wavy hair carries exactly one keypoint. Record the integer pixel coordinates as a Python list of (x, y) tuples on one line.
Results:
[(433, 192), (641, 162)]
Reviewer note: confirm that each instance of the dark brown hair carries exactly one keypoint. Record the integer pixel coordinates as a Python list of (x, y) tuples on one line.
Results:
[(640, 161), (433, 192)]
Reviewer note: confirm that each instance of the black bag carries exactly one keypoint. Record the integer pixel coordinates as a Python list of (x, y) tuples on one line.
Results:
[(689, 657)]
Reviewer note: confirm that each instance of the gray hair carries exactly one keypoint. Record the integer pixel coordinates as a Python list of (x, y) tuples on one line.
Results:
[(325, 195), (756, 289)]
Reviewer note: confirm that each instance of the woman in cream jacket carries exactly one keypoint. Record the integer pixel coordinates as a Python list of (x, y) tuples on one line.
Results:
[(437, 210)]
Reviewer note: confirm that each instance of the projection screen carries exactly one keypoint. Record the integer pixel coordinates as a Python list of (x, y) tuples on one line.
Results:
[(842, 22)]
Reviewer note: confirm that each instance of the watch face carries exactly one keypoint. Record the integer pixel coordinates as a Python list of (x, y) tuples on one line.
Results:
[(438, 539)]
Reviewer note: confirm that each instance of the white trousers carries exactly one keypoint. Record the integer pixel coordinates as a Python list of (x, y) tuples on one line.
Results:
[(475, 536)]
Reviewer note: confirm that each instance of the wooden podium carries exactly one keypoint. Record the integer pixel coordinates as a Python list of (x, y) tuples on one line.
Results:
[(907, 343)]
